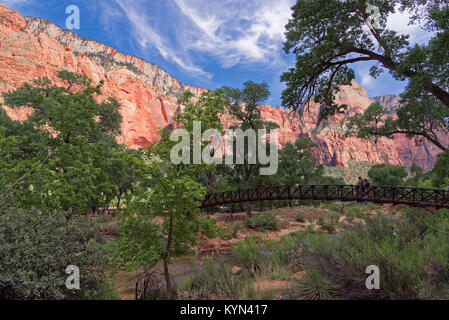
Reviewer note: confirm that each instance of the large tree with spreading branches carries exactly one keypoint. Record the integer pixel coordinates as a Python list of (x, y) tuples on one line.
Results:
[(329, 36)]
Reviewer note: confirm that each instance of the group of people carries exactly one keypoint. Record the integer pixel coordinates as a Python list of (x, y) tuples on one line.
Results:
[(365, 186)]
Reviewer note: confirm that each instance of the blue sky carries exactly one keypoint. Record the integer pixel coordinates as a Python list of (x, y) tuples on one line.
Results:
[(204, 43)]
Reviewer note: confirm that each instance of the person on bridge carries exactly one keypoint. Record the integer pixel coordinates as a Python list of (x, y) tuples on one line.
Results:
[(361, 184), (367, 187), (447, 190)]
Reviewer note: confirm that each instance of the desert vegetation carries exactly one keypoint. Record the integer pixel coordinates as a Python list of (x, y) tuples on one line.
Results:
[(131, 220)]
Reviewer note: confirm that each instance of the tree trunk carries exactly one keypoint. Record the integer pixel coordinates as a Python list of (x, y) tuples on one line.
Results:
[(246, 189), (119, 199), (167, 279), (168, 282)]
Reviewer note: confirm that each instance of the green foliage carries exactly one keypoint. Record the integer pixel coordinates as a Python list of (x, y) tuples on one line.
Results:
[(244, 107), (324, 56), (335, 206), (401, 249), (234, 228), (248, 253), (213, 278), (210, 228), (354, 212), (440, 174), (265, 221), (282, 252), (162, 219), (315, 285), (301, 217), (58, 157), (297, 166), (387, 175), (36, 249), (424, 118), (327, 225)]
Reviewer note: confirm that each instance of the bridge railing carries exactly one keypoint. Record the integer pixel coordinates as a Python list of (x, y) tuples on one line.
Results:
[(379, 194)]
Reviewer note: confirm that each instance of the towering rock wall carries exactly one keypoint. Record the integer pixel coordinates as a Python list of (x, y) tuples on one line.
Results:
[(32, 48)]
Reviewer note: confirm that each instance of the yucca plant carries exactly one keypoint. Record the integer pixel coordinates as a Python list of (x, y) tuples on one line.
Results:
[(315, 285)]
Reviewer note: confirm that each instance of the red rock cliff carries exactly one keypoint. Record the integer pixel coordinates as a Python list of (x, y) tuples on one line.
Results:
[(31, 48)]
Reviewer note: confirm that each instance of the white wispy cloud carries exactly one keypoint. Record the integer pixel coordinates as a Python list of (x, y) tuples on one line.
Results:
[(232, 32), (399, 21), (147, 37), (238, 32), (194, 34)]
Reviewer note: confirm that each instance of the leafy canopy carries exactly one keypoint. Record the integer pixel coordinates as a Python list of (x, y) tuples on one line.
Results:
[(328, 36)]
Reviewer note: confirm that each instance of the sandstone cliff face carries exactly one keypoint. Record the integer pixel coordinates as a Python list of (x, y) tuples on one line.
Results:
[(336, 149), (32, 48)]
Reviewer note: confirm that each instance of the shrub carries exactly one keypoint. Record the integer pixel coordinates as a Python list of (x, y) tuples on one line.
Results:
[(387, 175), (315, 285), (281, 252), (214, 278), (266, 221), (329, 227), (210, 228), (234, 229), (248, 253), (36, 249), (412, 265), (354, 212), (334, 218), (301, 217)]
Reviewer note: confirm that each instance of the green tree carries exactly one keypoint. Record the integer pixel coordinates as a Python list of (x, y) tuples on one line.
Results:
[(170, 193), (124, 168), (327, 37), (37, 247), (297, 166), (58, 153), (245, 108), (440, 172), (387, 175), (418, 119)]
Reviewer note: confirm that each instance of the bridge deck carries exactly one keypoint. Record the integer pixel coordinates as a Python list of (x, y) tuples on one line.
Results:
[(416, 197)]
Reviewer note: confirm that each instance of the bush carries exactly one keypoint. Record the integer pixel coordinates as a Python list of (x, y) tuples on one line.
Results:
[(387, 175), (234, 229), (329, 226), (248, 253), (210, 228), (413, 264), (214, 278), (354, 212), (301, 217), (315, 285), (281, 253), (36, 249), (266, 221)]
